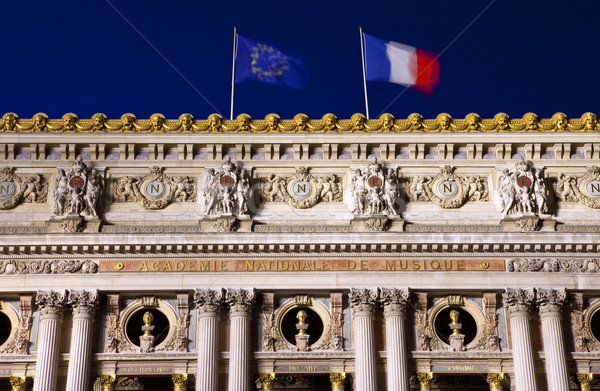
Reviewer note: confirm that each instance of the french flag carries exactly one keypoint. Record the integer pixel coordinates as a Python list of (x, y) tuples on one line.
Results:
[(401, 64)]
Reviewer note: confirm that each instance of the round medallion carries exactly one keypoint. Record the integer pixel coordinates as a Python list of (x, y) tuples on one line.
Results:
[(7, 190), (227, 181), (300, 189), (76, 182), (592, 189), (154, 189), (374, 181), (524, 181), (447, 189)]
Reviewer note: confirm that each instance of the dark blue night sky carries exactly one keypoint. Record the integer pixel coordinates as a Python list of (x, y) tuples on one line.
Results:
[(83, 57)]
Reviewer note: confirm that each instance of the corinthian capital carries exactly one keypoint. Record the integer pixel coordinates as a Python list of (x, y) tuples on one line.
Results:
[(551, 300), (518, 300), (208, 300), (362, 300), (51, 302), (83, 302), (240, 300), (394, 301)]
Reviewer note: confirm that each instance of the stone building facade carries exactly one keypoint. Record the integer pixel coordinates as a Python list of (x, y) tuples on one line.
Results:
[(330, 254)]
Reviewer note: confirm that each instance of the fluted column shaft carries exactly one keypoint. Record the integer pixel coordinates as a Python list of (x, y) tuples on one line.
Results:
[(208, 351), (240, 303), (394, 309), (52, 305), (550, 302), (84, 307), (208, 303), (363, 306), (519, 309)]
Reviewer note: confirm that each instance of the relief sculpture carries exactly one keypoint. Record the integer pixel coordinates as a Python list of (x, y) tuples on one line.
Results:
[(302, 190), (584, 189), (155, 190), (16, 190), (448, 190)]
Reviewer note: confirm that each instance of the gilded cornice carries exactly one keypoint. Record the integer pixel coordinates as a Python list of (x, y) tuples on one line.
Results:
[(272, 123)]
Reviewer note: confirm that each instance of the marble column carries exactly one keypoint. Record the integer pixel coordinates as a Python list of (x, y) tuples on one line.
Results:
[(550, 303), (84, 305), (240, 303), (180, 381), (363, 303), (19, 383), (51, 304), (425, 379), (518, 303), (338, 381), (208, 303), (495, 381), (585, 381), (394, 309)]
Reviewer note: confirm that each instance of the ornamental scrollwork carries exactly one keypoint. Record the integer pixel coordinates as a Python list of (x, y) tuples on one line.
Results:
[(302, 190), (375, 190), (226, 191), (16, 189), (155, 190), (47, 266), (553, 265), (78, 191), (522, 190), (448, 190), (584, 189)]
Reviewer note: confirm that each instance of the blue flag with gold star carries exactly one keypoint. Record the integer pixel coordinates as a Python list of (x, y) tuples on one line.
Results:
[(259, 61)]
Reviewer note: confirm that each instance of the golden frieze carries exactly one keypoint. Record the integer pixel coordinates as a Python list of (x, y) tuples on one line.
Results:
[(301, 123)]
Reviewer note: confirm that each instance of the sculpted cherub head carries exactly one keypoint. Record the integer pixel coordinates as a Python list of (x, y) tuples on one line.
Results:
[(387, 122), (358, 121), (444, 120), (416, 121), (273, 121), (301, 121), (185, 121), (243, 122), (531, 121), (330, 121), (473, 121), (560, 121), (589, 120), (158, 121), (127, 120), (10, 121), (99, 121), (68, 121), (502, 120), (215, 122), (40, 121)]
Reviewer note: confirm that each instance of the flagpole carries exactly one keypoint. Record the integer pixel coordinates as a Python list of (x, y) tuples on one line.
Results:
[(233, 70), (362, 50)]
